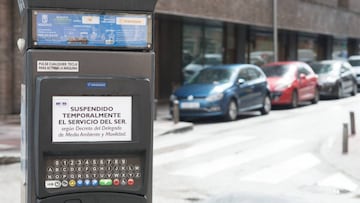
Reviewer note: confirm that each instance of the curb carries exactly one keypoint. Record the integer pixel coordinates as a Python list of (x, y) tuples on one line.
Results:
[(6, 160), (186, 128)]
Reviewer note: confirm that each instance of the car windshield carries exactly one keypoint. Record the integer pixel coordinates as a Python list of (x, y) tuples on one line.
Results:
[(354, 62), (320, 68), (277, 71), (212, 76)]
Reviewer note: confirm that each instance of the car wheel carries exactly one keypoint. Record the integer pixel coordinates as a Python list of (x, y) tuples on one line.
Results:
[(294, 99), (266, 105), (354, 90), (316, 97), (340, 92), (232, 111)]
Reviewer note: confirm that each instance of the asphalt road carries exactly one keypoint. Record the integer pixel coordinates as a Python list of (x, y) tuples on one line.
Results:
[(273, 158), (256, 159)]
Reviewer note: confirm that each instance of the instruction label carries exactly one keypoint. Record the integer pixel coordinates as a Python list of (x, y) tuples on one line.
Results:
[(92, 118), (57, 66)]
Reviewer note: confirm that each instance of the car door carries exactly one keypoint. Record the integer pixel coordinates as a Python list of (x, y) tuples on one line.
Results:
[(346, 77), (244, 89), (307, 82), (258, 83)]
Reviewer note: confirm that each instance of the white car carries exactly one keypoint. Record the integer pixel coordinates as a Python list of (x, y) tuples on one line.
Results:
[(355, 62)]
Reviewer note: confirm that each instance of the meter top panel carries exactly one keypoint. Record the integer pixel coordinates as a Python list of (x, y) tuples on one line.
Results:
[(115, 5), (76, 29)]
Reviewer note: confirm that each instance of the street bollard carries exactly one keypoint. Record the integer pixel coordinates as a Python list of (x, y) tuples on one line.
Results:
[(352, 123), (176, 111), (345, 141)]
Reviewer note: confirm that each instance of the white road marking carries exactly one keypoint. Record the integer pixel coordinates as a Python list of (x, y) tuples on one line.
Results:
[(339, 181), (202, 170), (281, 171), (199, 149), (4, 146)]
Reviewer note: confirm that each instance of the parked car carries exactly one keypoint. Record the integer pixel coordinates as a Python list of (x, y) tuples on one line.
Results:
[(225, 91), (291, 83), (355, 62), (336, 78)]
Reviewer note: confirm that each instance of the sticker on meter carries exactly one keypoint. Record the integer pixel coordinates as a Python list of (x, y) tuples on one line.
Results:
[(92, 118)]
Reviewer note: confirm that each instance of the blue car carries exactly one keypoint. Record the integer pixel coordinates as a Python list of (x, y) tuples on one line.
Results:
[(224, 91)]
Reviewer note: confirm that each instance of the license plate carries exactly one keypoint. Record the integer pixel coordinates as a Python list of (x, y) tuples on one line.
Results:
[(189, 105)]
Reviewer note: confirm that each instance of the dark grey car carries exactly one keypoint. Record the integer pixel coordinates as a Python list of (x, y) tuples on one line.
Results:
[(336, 78)]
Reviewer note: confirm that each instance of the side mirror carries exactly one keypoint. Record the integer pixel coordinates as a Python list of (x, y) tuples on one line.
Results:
[(302, 76), (240, 81)]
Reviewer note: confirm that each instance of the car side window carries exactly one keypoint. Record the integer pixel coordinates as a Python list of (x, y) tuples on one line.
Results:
[(244, 74)]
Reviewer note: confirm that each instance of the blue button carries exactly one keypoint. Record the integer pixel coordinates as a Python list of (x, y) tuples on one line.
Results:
[(87, 182), (95, 182), (79, 183)]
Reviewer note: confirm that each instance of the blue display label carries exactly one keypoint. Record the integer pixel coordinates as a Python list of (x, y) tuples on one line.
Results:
[(91, 30)]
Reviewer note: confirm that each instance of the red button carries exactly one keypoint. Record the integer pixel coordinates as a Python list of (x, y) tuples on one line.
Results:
[(131, 182), (116, 182)]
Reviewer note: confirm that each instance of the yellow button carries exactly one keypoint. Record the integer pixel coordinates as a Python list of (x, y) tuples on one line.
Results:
[(72, 183)]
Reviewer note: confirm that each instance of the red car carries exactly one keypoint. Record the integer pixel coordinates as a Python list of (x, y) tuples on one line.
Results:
[(291, 82)]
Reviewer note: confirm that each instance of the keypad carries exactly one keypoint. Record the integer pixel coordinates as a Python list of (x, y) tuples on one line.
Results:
[(82, 172)]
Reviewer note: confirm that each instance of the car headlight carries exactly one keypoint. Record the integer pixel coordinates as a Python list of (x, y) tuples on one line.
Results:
[(282, 85), (173, 97), (215, 97), (330, 79)]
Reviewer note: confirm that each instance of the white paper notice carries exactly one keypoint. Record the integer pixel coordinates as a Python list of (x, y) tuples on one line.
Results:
[(92, 118)]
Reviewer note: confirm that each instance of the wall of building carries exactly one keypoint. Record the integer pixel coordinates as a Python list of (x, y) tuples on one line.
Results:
[(315, 16)]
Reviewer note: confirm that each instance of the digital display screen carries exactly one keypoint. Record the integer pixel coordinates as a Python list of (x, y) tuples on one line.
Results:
[(91, 119), (81, 29)]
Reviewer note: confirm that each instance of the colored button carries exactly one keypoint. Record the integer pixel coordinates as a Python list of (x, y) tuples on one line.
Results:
[(95, 182), (116, 182), (105, 182), (87, 182), (131, 182), (72, 183), (80, 183)]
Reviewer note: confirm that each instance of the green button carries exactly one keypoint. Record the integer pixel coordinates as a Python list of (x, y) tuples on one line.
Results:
[(105, 182)]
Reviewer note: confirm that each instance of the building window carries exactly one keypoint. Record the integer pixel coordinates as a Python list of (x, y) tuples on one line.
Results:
[(340, 49), (343, 4), (307, 49), (202, 47), (260, 48)]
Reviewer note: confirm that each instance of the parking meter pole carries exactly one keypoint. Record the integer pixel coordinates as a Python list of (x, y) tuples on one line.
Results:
[(345, 139), (352, 123)]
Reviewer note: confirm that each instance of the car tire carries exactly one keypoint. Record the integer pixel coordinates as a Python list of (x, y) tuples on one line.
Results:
[(316, 98), (340, 91), (354, 90), (294, 99), (266, 105), (232, 111)]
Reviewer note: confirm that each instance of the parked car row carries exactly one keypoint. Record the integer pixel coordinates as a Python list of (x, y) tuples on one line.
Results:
[(227, 90)]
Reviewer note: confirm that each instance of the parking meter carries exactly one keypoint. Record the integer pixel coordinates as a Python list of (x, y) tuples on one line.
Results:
[(87, 101)]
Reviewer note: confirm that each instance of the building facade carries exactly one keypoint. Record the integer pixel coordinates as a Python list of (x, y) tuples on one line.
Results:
[(193, 34)]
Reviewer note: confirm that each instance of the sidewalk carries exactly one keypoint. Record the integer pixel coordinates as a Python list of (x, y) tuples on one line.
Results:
[(10, 133), (348, 163)]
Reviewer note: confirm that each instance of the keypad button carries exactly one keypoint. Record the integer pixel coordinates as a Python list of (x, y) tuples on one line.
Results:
[(94, 182), (79, 162), (52, 184), (50, 169), (64, 183), (64, 162), (87, 182), (105, 182), (72, 183), (79, 183), (57, 163), (123, 161), (116, 182), (72, 162), (131, 182), (94, 162)]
